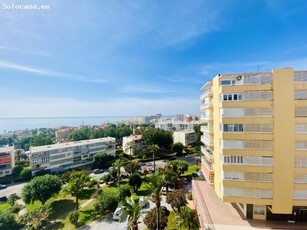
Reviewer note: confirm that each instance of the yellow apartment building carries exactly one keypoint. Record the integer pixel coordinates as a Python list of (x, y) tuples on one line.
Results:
[(255, 142)]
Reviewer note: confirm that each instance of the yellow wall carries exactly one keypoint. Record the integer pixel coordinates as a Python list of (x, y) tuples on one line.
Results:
[(284, 121), (216, 140)]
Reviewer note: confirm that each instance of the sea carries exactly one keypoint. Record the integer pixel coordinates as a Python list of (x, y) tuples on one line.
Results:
[(8, 125)]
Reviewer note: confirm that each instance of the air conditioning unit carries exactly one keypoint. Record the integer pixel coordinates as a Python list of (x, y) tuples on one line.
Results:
[(239, 78)]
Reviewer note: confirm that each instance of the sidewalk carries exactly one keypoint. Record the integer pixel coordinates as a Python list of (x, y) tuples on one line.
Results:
[(224, 216)]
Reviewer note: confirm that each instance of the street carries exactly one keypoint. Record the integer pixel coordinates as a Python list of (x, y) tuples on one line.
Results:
[(17, 188)]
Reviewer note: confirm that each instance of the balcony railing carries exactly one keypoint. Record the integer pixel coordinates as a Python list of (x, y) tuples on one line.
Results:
[(206, 152), (207, 164)]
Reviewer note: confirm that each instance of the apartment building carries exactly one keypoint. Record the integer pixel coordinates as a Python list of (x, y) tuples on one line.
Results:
[(7, 160), (186, 137), (255, 142), (137, 139), (62, 156), (170, 125)]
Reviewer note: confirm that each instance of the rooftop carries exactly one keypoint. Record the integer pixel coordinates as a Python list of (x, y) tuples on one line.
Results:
[(70, 144), (7, 149)]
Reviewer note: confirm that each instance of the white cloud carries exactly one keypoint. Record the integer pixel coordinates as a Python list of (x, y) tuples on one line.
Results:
[(47, 73)]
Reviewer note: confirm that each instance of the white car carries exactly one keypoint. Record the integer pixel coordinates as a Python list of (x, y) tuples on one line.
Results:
[(117, 213), (164, 190)]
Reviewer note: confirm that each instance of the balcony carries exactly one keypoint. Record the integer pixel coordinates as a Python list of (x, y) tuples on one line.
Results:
[(207, 153), (206, 140), (206, 129), (207, 164), (206, 93)]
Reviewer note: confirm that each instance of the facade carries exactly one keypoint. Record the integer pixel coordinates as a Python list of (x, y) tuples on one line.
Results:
[(7, 160), (255, 142), (137, 139), (186, 137), (175, 125), (59, 157)]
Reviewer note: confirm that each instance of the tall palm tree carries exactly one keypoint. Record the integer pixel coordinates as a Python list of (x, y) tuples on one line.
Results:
[(117, 165), (132, 209), (130, 146), (154, 149), (154, 185), (189, 219)]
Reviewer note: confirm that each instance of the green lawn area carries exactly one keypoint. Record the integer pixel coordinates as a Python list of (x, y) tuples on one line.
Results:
[(171, 224), (192, 169), (4, 206)]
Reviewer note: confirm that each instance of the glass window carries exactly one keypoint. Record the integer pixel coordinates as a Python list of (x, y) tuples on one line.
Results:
[(225, 82), (233, 82), (225, 128), (239, 96), (225, 97), (229, 97), (235, 97)]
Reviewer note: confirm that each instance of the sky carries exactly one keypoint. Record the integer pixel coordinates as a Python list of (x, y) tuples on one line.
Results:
[(137, 57)]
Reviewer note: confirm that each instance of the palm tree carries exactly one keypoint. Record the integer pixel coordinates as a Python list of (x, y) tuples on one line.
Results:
[(130, 146), (117, 165), (189, 219), (154, 185), (153, 149), (132, 209)]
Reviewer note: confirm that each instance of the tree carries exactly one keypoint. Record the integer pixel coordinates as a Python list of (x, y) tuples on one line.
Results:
[(160, 137), (178, 166), (16, 171), (176, 199), (102, 160), (37, 218), (131, 147), (107, 201), (197, 132), (117, 165), (74, 217), (77, 181), (132, 209), (154, 185), (150, 219), (7, 221), (132, 167), (135, 180), (189, 219), (124, 191), (153, 149), (41, 188), (178, 148), (170, 177), (26, 174), (12, 198)]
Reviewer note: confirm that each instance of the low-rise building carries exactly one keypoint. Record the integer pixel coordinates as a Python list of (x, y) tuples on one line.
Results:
[(186, 137), (59, 157), (171, 125), (61, 134), (137, 139), (7, 160)]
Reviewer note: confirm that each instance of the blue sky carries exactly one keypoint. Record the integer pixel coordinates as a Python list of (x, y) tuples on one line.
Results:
[(136, 57)]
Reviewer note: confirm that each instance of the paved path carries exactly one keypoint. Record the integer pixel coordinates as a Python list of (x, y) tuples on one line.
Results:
[(14, 188)]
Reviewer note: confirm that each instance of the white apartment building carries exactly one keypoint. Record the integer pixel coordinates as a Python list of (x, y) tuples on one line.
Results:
[(7, 160), (59, 157), (137, 139), (186, 137), (175, 125)]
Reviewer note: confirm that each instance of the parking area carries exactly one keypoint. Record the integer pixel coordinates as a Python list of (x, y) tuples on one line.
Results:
[(110, 224)]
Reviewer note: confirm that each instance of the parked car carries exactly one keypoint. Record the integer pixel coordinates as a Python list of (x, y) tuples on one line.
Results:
[(199, 173), (149, 164), (3, 186), (185, 180), (117, 213), (171, 188), (3, 199), (97, 171)]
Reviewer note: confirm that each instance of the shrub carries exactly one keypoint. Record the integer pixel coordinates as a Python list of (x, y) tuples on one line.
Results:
[(14, 209), (190, 196), (74, 217)]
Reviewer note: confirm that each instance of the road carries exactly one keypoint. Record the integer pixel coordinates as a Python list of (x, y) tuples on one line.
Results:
[(110, 224), (12, 189)]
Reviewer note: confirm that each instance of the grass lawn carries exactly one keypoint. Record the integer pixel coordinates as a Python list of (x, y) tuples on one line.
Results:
[(171, 224), (192, 169), (4, 206)]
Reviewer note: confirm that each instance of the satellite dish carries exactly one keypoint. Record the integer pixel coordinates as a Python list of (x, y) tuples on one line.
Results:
[(239, 78)]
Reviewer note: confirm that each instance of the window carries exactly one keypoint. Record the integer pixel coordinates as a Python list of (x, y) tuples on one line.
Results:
[(231, 97), (233, 159), (259, 210), (226, 82), (233, 127)]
